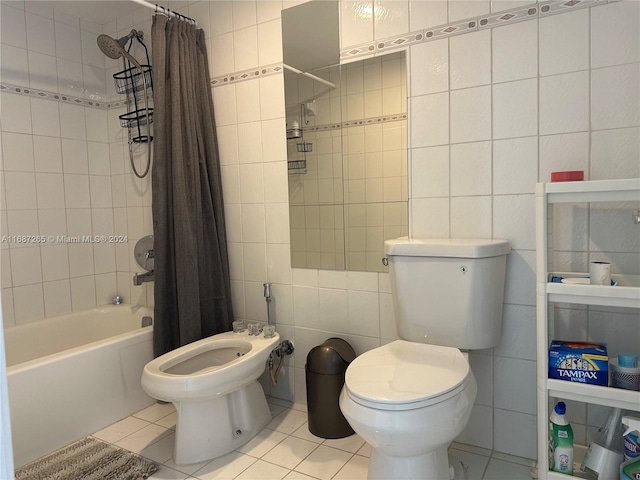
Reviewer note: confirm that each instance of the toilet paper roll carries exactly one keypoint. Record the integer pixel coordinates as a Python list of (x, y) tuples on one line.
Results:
[(600, 273)]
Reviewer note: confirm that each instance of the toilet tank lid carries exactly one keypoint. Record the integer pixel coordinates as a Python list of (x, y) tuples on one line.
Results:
[(446, 247)]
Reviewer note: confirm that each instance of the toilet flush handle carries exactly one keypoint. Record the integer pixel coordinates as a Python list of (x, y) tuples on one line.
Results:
[(385, 261)]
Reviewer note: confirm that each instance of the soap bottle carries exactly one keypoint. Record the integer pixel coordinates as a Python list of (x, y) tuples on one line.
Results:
[(631, 437), (560, 441)]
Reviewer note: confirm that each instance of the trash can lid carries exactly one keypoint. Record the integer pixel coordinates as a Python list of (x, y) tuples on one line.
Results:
[(331, 357)]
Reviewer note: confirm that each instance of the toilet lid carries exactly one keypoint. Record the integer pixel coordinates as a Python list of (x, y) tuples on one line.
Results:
[(405, 375)]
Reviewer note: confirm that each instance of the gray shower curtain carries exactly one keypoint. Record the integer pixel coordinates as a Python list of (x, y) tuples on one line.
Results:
[(192, 288)]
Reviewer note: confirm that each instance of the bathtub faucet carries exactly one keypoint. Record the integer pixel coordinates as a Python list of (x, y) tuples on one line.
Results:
[(117, 300), (140, 278)]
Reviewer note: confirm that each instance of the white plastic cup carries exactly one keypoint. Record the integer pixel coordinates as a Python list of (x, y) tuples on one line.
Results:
[(600, 273)]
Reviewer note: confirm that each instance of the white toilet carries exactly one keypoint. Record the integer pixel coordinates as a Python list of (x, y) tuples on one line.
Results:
[(410, 398), (213, 384)]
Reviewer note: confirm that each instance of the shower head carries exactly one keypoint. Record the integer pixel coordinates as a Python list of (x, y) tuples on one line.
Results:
[(113, 48)]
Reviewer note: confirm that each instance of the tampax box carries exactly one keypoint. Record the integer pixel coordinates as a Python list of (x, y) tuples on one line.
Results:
[(582, 362)]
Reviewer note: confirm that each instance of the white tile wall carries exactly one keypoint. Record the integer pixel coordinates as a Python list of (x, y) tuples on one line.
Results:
[(536, 118), (58, 163)]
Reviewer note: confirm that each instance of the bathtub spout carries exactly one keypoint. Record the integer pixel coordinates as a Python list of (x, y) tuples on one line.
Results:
[(140, 278)]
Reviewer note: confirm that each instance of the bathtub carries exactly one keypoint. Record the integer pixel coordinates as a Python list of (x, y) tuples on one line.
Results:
[(72, 375)]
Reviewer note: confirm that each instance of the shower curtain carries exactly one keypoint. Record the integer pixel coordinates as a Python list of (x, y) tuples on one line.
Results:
[(192, 288)]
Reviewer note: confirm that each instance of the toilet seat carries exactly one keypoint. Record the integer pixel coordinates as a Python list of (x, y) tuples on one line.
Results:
[(405, 375)]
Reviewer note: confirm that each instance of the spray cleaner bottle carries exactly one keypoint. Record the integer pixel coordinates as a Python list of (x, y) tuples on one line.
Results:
[(560, 441), (630, 469)]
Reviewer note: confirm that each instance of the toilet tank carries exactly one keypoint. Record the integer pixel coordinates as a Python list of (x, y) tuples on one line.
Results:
[(448, 291)]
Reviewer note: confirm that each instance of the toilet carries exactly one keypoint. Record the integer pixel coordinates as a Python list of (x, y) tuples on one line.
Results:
[(213, 384), (410, 398)]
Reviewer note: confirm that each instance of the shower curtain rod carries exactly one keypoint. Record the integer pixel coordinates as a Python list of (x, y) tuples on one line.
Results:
[(310, 75), (165, 11)]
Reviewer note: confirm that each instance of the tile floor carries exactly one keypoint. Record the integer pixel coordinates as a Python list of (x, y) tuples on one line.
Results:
[(283, 450)]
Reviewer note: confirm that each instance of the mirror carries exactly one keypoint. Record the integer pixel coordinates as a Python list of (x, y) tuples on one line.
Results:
[(346, 146)]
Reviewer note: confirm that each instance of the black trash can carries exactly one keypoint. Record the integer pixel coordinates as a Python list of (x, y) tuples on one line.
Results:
[(325, 369)]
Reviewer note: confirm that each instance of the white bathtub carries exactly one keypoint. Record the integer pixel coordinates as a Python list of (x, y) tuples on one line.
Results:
[(72, 375)]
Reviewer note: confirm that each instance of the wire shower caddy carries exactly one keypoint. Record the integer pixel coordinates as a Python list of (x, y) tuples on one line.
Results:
[(137, 84)]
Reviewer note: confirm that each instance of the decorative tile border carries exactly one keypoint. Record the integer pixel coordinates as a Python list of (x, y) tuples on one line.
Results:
[(507, 17), (247, 75), (512, 16), (396, 117), (60, 97), (469, 25), (554, 8)]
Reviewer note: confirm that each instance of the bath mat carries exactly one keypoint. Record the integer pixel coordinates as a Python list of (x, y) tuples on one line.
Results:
[(88, 459)]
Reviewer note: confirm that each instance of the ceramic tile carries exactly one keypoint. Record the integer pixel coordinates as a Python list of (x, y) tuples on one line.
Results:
[(515, 386), (57, 298), (429, 217), (614, 97), (15, 65), (324, 462), (160, 451), (303, 433), (515, 165), (143, 438), (500, 470), (476, 464), (615, 38), (169, 421), (427, 14), (430, 120), (166, 473), (518, 228), (269, 42), (155, 412), (391, 18), (352, 443), (429, 67), (19, 121), (471, 217), (564, 103), (13, 26), (514, 52), (121, 429), (471, 114), (288, 422), (263, 442), (28, 303), (226, 467), (515, 109), (613, 154), (245, 48), (355, 26), (563, 152), (461, 9), (290, 452), (471, 169), (564, 43), (470, 60), (479, 430), (515, 433), (355, 469)]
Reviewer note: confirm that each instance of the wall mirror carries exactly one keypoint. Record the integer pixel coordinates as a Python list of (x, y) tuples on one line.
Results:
[(346, 145)]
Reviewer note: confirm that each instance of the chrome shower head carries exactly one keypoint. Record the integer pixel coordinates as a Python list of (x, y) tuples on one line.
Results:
[(113, 48)]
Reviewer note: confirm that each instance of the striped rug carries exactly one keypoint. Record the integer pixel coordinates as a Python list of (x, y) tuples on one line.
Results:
[(88, 459)]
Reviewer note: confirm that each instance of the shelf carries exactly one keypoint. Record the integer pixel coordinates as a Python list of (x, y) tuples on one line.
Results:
[(607, 396), (624, 190), (594, 295)]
